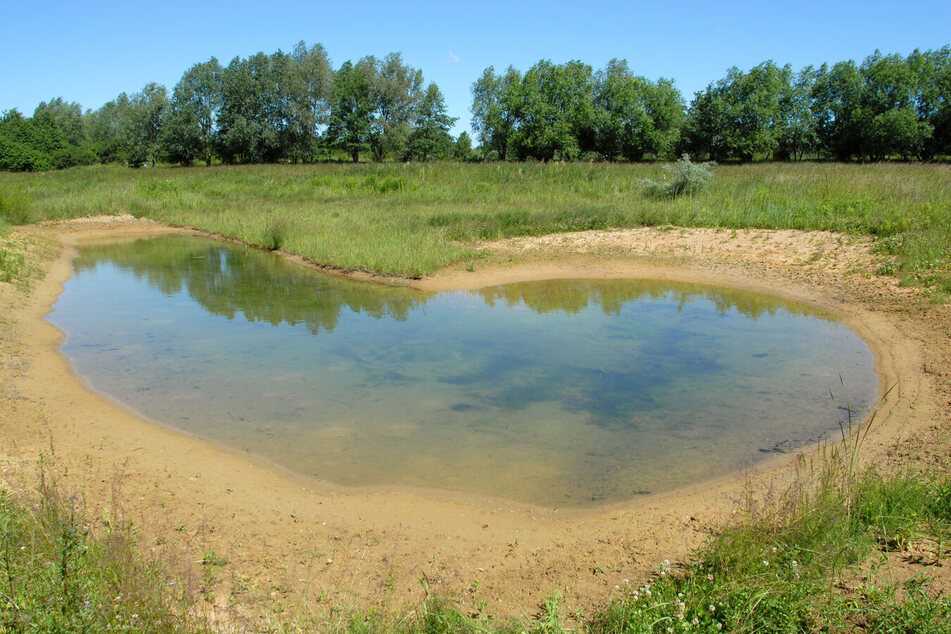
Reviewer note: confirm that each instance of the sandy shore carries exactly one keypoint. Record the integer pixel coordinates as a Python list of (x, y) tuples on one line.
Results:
[(290, 541)]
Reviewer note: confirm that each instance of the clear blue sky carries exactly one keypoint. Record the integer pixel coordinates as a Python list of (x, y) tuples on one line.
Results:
[(89, 52)]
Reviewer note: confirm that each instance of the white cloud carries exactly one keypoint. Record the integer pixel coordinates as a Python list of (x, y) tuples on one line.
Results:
[(454, 57)]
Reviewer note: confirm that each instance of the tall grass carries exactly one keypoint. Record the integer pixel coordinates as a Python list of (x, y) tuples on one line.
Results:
[(60, 574), (411, 219)]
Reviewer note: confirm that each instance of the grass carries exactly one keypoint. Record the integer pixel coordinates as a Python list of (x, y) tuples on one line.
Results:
[(59, 573), (793, 564), (810, 559), (788, 564), (411, 219)]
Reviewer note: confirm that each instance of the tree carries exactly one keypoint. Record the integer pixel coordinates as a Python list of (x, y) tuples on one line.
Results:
[(555, 111), (494, 100), (352, 110), (740, 116), (193, 114), (396, 92), (251, 117), (431, 136), (891, 125), (28, 145), (932, 97), (143, 126), (798, 126), (706, 124), (108, 129), (309, 85), (633, 116), (837, 106), (68, 117), (462, 148)]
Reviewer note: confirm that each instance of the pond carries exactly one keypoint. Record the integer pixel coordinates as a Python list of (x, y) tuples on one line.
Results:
[(562, 393)]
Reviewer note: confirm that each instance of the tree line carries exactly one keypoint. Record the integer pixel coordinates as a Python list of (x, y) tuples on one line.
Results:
[(295, 107), (265, 108), (887, 106)]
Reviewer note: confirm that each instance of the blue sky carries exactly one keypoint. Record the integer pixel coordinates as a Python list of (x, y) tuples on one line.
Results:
[(91, 51)]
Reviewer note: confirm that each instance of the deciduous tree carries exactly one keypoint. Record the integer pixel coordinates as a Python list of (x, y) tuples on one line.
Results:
[(430, 137)]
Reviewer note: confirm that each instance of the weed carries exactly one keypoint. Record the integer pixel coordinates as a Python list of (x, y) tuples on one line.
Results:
[(57, 574), (682, 178), (11, 264), (274, 234)]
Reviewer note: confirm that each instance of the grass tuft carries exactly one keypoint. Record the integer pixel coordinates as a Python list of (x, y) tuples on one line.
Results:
[(59, 574), (274, 235)]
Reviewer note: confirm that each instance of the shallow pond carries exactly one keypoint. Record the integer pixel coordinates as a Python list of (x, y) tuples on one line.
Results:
[(566, 393)]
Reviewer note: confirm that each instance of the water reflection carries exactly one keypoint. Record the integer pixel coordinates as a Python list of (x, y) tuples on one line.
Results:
[(560, 393), (227, 280)]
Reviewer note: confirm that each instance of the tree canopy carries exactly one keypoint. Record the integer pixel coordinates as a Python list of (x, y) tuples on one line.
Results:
[(294, 107)]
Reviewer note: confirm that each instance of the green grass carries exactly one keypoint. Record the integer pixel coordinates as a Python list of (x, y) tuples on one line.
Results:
[(60, 574), (798, 562), (789, 564), (411, 219)]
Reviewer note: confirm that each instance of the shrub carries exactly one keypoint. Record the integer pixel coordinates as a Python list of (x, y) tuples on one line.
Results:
[(18, 157), (683, 177)]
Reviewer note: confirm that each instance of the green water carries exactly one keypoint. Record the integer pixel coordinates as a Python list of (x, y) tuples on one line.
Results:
[(566, 393)]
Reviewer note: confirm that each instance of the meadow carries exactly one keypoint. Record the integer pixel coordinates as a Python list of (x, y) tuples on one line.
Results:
[(411, 219), (809, 559)]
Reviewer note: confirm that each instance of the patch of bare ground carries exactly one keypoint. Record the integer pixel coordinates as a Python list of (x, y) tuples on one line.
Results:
[(278, 542)]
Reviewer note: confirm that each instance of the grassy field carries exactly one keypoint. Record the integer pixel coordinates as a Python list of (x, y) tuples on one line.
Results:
[(807, 560), (411, 219)]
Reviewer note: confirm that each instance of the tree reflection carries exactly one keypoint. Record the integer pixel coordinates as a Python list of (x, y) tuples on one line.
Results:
[(227, 280)]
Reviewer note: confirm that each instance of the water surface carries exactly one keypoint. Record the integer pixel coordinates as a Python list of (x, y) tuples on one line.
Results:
[(565, 393)]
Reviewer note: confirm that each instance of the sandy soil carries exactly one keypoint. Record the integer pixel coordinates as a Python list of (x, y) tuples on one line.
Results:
[(292, 542)]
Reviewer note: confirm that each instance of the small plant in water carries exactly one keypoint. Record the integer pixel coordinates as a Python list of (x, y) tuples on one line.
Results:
[(683, 177)]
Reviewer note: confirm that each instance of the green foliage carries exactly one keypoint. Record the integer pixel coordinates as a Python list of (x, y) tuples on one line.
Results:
[(430, 137), (554, 112), (58, 574), (682, 178), (351, 115), (189, 130), (11, 262), (29, 145), (409, 219), (462, 147), (494, 115), (396, 96), (295, 108), (740, 116), (275, 234), (20, 157), (635, 118), (14, 208), (772, 571)]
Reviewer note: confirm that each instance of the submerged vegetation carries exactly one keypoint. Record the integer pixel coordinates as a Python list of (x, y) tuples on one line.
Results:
[(411, 219)]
